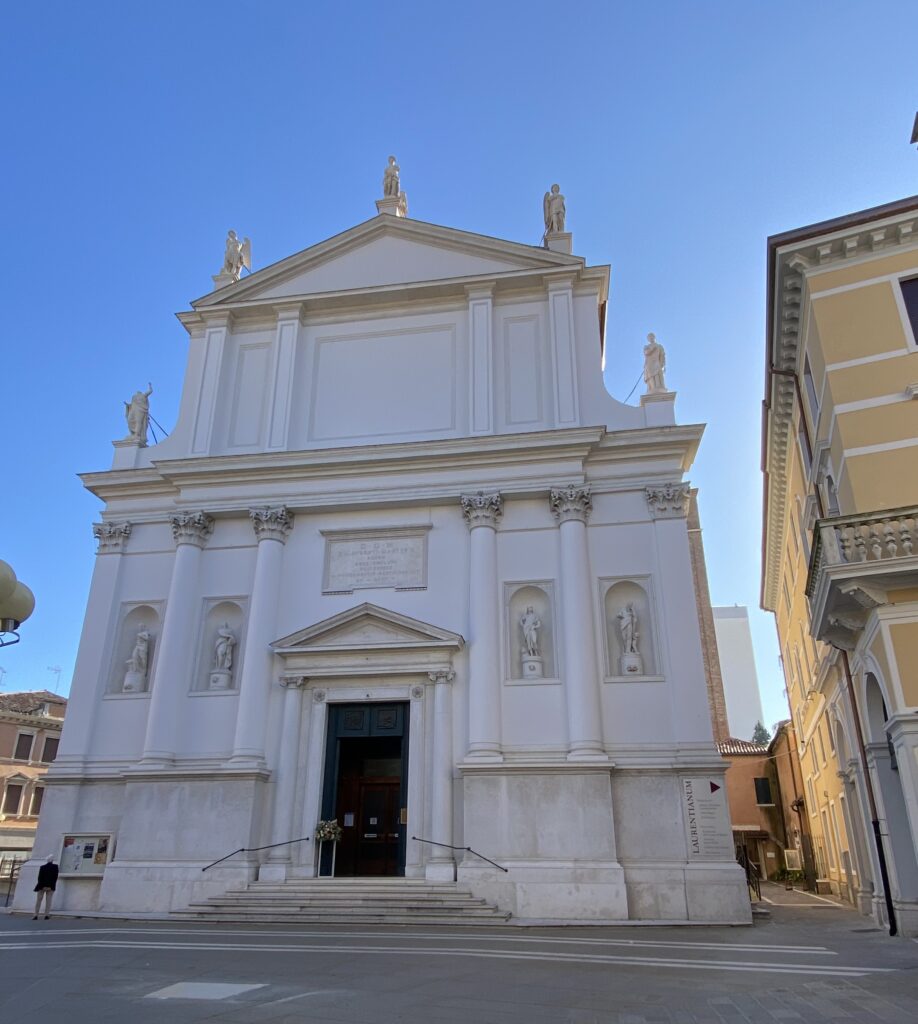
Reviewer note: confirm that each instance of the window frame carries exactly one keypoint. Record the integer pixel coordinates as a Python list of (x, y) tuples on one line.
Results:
[(56, 740), (20, 736), (6, 792), (758, 791)]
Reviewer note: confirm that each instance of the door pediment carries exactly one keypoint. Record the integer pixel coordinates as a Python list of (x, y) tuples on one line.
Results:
[(368, 640)]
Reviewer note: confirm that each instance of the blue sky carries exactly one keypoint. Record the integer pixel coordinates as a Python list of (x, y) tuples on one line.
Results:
[(682, 135)]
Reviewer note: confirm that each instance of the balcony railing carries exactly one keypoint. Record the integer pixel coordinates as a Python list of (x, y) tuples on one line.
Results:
[(855, 561)]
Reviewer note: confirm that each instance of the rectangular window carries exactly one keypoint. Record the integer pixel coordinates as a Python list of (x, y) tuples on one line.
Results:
[(24, 746), (805, 452), (50, 751), (831, 739), (763, 792), (830, 847), (811, 793), (810, 387), (910, 295), (12, 798), (36, 800), (822, 748)]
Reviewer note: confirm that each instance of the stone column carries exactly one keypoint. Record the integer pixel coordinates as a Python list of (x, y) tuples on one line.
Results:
[(89, 675), (285, 781), (571, 506), (170, 684), (272, 526), (482, 513), (315, 759), (441, 866)]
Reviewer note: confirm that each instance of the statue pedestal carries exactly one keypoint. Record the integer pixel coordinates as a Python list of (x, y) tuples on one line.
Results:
[(222, 279), (659, 408), (220, 679), (559, 241), (394, 206), (134, 682), (127, 453), (632, 665), (532, 667)]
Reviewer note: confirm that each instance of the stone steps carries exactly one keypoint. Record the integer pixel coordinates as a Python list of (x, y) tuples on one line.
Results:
[(361, 901)]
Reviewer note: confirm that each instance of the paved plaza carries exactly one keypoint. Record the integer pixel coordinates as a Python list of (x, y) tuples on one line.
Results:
[(811, 961)]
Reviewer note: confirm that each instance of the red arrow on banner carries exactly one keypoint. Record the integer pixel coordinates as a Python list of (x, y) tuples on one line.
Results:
[(714, 787)]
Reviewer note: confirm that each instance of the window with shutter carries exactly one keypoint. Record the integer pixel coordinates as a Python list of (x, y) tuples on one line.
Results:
[(23, 746), (763, 793)]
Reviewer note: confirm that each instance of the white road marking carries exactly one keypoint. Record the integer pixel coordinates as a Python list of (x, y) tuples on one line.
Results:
[(201, 990), (454, 951), (739, 947)]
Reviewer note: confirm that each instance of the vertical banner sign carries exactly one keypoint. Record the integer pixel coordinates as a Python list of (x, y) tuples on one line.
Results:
[(707, 825)]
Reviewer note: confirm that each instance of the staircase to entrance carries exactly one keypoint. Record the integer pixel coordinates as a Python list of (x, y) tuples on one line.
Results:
[(347, 901)]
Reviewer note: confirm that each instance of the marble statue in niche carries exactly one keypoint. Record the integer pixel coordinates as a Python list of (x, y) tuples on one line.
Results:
[(630, 662), (531, 655), (554, 211), (654, 365), (135, 678), (137, 414), (236, 256), (221, 677)]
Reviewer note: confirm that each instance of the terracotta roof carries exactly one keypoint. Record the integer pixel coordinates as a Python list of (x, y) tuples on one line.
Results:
[(29, 702), (735, 746)]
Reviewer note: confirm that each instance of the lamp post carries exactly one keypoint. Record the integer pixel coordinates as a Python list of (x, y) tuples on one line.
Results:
[(16, 605)]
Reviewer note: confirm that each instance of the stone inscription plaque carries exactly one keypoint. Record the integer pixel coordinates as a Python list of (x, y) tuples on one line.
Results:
[(707, 825), (371, 560)]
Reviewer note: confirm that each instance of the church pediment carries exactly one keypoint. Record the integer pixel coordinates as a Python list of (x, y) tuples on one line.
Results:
[(368, 627), (384, 252)]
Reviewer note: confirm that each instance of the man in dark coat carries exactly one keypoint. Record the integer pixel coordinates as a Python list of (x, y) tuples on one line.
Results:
[(47, 883)]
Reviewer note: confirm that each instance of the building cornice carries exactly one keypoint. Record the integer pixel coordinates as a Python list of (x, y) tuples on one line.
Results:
[(794, 257), (436, 471)]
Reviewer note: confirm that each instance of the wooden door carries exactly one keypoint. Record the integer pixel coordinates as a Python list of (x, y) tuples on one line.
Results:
[(378, 827)]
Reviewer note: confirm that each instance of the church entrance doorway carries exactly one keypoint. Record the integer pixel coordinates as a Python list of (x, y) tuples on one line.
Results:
[(365, 788)]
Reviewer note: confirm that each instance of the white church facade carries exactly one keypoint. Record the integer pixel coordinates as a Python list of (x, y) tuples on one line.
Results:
[(404, 563)]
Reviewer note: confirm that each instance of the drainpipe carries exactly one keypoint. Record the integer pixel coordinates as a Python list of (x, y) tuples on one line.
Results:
[(868, 780)]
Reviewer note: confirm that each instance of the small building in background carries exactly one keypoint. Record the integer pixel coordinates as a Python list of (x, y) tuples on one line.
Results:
[(30, 729), (737, 669)]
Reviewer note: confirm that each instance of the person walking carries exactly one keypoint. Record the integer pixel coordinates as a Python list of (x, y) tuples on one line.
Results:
[(47, 883)]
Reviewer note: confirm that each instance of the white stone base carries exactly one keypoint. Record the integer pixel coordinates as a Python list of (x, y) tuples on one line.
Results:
[(541, 892), (440, 871), (272, 872)]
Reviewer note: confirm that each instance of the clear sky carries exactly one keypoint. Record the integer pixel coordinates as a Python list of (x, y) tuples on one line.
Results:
[(682, 135)]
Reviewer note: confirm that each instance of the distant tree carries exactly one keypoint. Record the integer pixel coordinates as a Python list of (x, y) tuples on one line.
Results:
[(760, 734)]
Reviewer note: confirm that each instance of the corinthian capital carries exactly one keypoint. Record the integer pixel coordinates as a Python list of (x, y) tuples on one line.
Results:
[(571, 503), (441, 675), (271, 523), (111, 536), (192, 528), (668, 501), (482, 509)]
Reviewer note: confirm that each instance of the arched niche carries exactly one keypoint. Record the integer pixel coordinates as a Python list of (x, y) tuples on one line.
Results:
[(220, 648), (128, 674), (538, 597), (875, 709), (642, 659)]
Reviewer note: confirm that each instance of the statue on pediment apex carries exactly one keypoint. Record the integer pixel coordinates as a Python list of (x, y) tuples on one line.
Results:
[(390, 182), (554, 211), (236, 256)]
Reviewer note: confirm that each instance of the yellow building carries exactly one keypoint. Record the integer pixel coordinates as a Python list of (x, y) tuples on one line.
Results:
[(840, 541)]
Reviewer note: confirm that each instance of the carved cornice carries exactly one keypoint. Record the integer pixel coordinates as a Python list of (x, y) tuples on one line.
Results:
[(482, 509), (192, 528), (111, 536), (669, 501), (271, 523), (793, 261), (571, 503)]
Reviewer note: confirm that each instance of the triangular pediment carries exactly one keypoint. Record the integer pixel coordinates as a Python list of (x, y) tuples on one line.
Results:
[(385, 252), (367, 627)]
